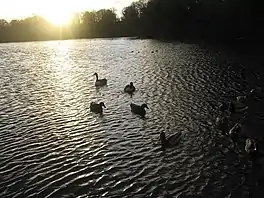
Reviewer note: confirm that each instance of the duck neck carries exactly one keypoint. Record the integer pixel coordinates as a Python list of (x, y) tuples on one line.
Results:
[(96, 76)]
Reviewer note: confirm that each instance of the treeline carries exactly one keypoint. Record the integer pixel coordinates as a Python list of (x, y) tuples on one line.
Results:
[(227, 21), (238, 23), (102, 23)]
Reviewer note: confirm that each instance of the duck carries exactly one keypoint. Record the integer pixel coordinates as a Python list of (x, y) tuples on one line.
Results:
[(231, 107), (223, 107), (241, 99), (100, 82), (222, 124), (234, 132), (169, 142), (97, 108), (244, 99), (251, 146), (140, 110), (129, 88)]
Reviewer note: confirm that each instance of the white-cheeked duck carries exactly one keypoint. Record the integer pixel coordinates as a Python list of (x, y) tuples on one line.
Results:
[(97, 108), (100, 82), (137, 109)]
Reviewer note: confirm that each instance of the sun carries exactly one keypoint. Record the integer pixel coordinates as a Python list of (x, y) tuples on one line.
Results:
[(57, 14), (60, 18)]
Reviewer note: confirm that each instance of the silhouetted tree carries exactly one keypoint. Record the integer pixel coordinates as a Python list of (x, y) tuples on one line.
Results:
[(231, 22)]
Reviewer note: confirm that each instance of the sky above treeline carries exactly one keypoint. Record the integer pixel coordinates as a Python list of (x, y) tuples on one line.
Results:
[(17, 9)]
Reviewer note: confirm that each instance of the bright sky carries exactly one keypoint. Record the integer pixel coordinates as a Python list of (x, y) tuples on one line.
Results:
[(51, 9)]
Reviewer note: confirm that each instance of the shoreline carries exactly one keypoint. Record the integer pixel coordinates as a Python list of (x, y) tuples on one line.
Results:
[(230, 48)]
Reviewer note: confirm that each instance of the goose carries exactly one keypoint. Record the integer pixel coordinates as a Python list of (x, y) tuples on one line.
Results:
[(169, 142), (140, 110), (231, 107), (97, 108), (130, 88), (222, 124), (100, 82), (223, 107), (244, 99), (234, 133), (251, 146), (241, 99)]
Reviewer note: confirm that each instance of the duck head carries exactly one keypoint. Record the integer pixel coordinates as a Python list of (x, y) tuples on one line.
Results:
[(144, 106), (131, 84), (102, 104), (238, 127), (95, 74)]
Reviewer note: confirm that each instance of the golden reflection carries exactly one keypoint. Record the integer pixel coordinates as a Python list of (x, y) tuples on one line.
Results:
[(63, 76)]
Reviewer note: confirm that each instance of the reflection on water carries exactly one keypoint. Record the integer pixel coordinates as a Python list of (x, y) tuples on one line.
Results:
[(52, 145)]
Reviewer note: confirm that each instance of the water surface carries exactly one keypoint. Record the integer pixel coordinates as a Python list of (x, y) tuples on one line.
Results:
[(51, 145)]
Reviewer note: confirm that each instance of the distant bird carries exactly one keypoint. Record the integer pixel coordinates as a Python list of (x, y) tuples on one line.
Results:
[(223, 107), (234, 133), (171, 141), (129, 88), (99, 82), (241, 99), (97, 108), (231, 107), (167, 195), (140, 110), (251, 146), (152, 51), (244, 99), (222, 124)]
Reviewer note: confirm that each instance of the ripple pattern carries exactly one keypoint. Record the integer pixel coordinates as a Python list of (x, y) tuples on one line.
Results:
[(51, 145)]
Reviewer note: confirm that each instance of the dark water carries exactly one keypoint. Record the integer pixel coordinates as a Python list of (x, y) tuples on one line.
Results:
[(52, 146)]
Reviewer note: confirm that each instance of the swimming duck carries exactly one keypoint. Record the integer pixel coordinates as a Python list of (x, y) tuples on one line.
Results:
[(100, 82), (97, 108), (223, 107), (222, 124), (231, 107), (241, 99), (251, 146), (234, 132), (169, 142), (129, 88), (244, 99), (140, 110)]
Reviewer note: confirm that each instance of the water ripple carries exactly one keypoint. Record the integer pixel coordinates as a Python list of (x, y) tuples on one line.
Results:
[(52, 145)]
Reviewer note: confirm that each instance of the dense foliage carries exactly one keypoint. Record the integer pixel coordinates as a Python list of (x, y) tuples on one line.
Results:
[(228, 21)]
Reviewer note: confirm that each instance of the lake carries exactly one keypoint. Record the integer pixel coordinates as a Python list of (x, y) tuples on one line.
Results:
[(51, 145)]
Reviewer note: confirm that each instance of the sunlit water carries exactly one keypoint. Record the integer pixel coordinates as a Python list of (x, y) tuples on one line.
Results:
[(51, 145)]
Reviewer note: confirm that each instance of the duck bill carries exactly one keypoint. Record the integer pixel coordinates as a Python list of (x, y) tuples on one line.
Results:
[(104, 106)]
